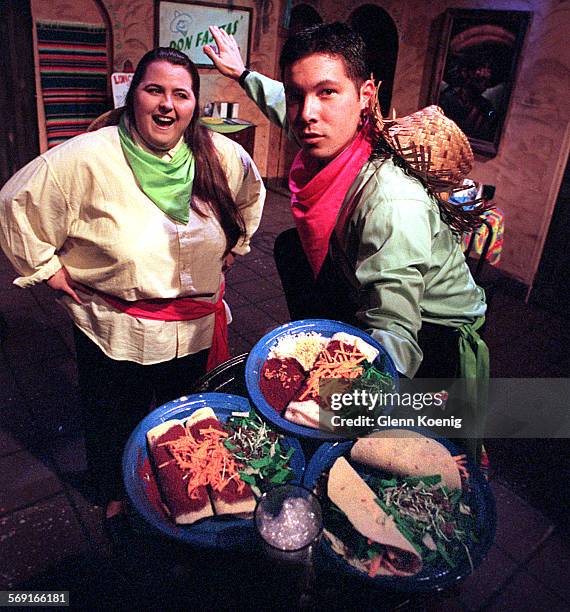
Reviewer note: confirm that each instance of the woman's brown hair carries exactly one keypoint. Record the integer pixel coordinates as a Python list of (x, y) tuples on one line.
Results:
[(210, 181)]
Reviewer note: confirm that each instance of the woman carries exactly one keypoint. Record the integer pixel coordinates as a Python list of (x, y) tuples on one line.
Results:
[(133, 225)]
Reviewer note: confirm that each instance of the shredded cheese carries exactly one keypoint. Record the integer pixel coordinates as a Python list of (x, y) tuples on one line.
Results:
[(342, 363)]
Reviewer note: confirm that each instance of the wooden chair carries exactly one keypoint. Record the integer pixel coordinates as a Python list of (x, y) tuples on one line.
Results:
[(482, 272), (476, 266)]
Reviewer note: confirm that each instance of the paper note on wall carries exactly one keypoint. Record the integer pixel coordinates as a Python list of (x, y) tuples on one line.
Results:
[(120, 83)]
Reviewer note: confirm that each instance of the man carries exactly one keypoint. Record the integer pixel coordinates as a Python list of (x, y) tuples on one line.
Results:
[(375, 249)]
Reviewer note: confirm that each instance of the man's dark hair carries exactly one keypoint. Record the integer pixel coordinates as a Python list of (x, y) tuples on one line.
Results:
[(335, 39)]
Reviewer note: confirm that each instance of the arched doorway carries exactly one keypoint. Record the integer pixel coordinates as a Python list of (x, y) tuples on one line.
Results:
[(302, 16), (74, 85), (380, 34)]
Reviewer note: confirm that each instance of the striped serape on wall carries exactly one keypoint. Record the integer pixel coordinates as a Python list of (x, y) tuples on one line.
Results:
[(73, 72)]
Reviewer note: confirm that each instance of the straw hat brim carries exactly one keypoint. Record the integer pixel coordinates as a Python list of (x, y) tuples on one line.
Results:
[(111, 117), (432, 145)]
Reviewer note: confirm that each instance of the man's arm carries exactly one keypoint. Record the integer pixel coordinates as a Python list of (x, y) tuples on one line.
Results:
[(391, 266), (268, 94), (391, 238)]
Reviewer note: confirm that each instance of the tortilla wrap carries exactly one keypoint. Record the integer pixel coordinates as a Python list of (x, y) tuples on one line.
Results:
[(406, 453), (183, 509), (355, 498), (358, 343), (171, 479)]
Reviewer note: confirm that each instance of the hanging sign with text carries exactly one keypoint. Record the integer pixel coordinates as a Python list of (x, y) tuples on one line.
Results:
[(120, 83), (184, 26)]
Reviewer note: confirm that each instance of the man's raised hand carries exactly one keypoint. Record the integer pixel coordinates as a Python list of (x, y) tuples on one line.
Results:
[(227, 59)]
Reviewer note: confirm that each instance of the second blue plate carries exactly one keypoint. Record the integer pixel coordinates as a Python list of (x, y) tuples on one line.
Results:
[(259, 354)]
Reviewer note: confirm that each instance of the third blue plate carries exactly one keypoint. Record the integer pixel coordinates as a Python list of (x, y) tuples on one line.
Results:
[(432, 577)]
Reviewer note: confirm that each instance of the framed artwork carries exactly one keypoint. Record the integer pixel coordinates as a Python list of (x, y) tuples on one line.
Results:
[(475, 71), (184, 25)]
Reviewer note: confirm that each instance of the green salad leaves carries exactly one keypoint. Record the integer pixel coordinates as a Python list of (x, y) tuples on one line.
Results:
[(260, 450)]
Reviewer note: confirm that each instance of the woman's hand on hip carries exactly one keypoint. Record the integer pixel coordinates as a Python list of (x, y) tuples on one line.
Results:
[(61, 281), (228, 58), (228, 262)]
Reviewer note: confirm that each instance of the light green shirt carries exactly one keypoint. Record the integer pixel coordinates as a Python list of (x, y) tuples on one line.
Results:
[(407, 263)]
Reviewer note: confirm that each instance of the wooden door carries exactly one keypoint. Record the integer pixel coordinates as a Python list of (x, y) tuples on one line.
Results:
[(19, 131)]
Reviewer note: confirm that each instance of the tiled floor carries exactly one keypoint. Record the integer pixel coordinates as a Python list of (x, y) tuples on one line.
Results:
[(50, 526)]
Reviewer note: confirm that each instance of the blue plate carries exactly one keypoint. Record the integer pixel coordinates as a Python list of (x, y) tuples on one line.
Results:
[(432, 577), (212, 533), (258, 356)]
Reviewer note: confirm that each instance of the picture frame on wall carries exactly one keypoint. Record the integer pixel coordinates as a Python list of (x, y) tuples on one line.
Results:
[(183, 25), (475, 70)]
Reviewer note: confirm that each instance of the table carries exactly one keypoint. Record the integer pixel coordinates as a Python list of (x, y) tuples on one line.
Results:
[(238, 130)]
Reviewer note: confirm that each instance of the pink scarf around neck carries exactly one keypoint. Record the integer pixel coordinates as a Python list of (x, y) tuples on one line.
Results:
[(316, 197)]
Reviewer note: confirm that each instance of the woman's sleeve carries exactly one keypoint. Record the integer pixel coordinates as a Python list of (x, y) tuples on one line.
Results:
[(250, 198), (34, 222), (393, 257), (269, 96)]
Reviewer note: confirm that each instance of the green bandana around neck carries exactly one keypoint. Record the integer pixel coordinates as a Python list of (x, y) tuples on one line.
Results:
[(167, 183)]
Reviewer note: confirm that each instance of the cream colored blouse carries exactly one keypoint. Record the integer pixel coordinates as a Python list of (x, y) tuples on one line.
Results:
[(79, 206)]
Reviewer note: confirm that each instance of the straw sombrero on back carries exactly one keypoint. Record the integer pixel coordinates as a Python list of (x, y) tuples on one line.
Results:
[(432, 144), (433, 148), (111, 117)]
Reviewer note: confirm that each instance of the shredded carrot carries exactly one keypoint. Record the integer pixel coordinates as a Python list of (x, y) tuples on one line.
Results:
[(461, 461), (343, 363), (206, 461), (375, 565), (282, 375)]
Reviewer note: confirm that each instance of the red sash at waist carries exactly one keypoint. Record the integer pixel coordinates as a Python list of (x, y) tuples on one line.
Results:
[(182, 309)]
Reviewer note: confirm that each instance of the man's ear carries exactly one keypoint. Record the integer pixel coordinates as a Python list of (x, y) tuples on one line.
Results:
[(367, 91)]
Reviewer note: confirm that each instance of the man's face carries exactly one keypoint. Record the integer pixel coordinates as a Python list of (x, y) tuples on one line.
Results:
[(323, 105), (480, 77)]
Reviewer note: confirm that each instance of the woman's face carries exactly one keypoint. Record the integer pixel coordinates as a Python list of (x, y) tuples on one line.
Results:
[(163, 104)]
